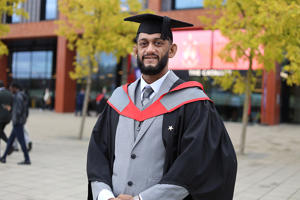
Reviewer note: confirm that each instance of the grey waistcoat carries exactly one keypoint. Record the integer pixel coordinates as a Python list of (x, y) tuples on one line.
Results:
[(139, 149)]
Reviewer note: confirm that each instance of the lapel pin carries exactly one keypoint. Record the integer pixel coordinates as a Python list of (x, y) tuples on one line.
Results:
[(170, 128)]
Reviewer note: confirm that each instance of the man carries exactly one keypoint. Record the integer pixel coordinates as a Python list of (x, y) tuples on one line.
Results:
[(160, 137), (28, 141), (79, 102), (19, 116), (6, 100), (101, 101)]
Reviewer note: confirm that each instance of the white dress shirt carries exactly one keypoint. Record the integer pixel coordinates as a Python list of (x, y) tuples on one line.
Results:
[(155, 85)]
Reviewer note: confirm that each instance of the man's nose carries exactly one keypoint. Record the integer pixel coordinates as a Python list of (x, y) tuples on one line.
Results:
[(150, 49)]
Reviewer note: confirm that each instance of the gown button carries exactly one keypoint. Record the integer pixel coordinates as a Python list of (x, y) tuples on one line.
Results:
[(133, 156), (130, 183)]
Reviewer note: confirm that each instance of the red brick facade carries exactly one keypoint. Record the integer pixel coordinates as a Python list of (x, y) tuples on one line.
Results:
[(31, 30), (3, 69), (65, 87)]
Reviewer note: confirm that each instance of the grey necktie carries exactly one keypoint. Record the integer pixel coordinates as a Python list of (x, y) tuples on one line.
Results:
[(146, 95)]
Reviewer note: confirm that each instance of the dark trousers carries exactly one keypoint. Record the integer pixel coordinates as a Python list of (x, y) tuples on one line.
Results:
[(2, 134), (18, 131)]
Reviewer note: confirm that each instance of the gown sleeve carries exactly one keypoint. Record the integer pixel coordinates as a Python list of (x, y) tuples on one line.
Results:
[(100, 154), (202, 158)]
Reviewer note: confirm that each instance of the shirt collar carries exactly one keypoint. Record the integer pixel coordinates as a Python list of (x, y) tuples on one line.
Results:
[(155, 85)]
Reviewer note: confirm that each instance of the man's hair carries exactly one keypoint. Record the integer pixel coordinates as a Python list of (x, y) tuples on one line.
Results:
[(1, 84), (16, 85)]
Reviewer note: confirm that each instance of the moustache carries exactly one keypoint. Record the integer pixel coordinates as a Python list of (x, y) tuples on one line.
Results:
[(150, 56)]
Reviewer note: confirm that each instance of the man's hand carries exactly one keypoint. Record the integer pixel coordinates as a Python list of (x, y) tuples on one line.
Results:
[(7, 107), (123, 197)]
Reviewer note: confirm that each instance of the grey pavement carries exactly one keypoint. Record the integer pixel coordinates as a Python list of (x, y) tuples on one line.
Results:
[(270, 170)]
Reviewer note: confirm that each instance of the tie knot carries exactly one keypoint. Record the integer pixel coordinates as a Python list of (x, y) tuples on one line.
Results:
[(147, 92)]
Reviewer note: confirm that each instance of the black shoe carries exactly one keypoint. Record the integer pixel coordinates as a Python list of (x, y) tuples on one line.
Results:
[(2, 160), (29, 146), (25, 162)]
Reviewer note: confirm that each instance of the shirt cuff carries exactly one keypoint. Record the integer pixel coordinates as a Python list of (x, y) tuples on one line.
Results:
[(105, 195), (138, 197)]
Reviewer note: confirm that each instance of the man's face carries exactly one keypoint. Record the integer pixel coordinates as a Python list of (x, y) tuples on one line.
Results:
[(152, 53)]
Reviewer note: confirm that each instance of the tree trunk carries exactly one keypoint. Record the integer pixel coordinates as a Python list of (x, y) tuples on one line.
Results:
[(246, 107), (86, 101)]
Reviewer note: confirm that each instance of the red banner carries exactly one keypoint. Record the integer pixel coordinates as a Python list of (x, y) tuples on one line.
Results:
[(194, 50), (199, 49)]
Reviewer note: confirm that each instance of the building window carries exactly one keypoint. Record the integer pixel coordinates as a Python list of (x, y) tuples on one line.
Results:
[(16, 18), (181, 4), (125, 8), (32, 64), (187, 4), (33, 70), (49, 10), (144, 3)]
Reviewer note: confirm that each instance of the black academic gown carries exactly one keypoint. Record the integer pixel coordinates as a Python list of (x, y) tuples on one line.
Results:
[(199, 154)]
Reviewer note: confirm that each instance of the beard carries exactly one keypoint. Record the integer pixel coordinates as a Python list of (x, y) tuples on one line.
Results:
[(153, 70)]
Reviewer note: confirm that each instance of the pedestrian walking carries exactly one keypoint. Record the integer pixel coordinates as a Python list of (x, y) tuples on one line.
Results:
[(79, 102), (160, 137), (28, 142), (19, 116), (6, 100)]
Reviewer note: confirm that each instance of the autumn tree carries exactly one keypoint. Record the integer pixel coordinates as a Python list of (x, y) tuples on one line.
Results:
[(265, 31), (92, 27), (8, 8)]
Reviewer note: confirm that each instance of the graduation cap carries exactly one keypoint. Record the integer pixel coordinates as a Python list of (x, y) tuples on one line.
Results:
[(151, 24)]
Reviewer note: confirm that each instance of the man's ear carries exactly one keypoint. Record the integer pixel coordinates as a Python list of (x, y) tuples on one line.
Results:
[(172, 50)]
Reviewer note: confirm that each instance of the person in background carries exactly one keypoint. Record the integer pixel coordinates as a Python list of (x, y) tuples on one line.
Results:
[(28, 142), (79, 102), (6, 101), (47, 99), (101, 101), (19, 116)]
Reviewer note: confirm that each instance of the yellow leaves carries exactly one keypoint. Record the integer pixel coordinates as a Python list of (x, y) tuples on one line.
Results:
[(3, 48), (96, 26), (8, 7), (293, 71), (135, 6), (255, 25)]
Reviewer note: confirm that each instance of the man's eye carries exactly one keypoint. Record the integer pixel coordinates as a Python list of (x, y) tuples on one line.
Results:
[(158, 43), (143, 44)]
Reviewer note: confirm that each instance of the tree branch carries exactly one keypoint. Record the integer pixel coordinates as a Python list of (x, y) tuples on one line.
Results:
[(241, 9)]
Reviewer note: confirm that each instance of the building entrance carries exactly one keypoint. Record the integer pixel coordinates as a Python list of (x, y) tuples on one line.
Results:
[(290, 107), (34, 71), (32, 63)]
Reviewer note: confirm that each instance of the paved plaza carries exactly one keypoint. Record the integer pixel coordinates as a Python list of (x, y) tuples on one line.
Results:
[(270, 170)]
